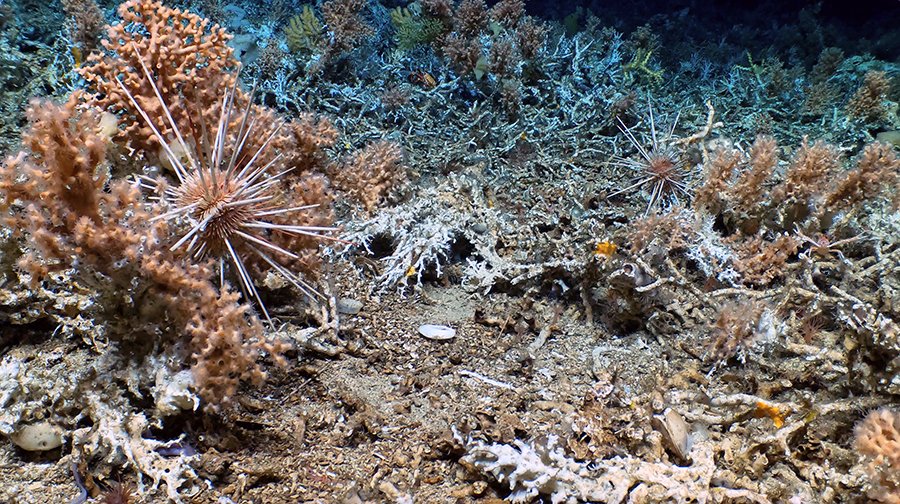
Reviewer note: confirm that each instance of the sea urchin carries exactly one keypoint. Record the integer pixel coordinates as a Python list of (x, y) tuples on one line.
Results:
[(660, 167), (226, 196)]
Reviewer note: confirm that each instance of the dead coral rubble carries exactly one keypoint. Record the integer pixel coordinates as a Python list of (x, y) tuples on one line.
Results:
[(543, 468)]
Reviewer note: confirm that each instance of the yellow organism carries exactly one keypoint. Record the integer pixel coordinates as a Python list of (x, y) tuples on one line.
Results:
[(605, 249)]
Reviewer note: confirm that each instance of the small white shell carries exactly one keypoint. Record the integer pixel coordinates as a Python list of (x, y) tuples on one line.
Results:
[(675, 431), (437, 332), (41, 436)]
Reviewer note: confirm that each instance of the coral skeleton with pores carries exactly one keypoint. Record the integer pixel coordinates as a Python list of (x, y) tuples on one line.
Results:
[(227, 200)]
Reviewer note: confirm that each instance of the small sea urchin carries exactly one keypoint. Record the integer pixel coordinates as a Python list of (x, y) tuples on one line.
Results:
[(227, 198), (661, 167)]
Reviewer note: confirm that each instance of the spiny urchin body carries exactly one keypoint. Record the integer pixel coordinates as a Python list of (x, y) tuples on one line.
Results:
[(660, 168), (217, 206)]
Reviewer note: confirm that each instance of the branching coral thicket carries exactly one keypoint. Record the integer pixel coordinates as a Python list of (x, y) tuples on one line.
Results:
[(765, 223), (812, 190), (878, 442), (511, 38), (772, 219), (497, 45), (167, 83), (57, 194), (191, 61), (341, 30), (243, 188)]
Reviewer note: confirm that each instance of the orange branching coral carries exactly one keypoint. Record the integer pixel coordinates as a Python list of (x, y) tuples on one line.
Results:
[(829, 62), (812, 186), (822, 93), (810, 171), (867, 103), (877, 439), (477, 40), (711, 195), (192, 66), (190, 61), (225, 339), (878, 169), (310, 191), (370, 173), (440, 9), (749, 189), (669, 231), (503, 57), (54, 191), (304, 141), (58, 195)]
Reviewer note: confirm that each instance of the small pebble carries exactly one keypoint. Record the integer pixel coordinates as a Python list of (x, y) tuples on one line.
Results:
[(41, 436), (437, 332), (349, 306), (479, 227)]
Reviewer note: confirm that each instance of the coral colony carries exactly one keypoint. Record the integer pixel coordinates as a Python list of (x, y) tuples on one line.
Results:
[(228, 203), (449, 251)]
